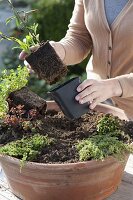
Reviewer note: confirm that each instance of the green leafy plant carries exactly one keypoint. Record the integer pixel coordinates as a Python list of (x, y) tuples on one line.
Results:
[(99, 147), (106, 141), (26, 149), (11, 81), (21, 18), (108, 124)]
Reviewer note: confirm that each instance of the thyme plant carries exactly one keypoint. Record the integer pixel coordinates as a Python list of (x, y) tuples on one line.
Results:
[(108, 124), (11, 81), (106, 141), (99, 147), (26, 149)]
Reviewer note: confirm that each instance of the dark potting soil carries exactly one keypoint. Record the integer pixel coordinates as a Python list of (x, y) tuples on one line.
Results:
[(66, 133)]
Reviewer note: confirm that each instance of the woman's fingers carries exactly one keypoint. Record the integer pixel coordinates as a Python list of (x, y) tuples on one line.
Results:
[(85, 84), (94, 91), (94, 103), (86, 92), (27, 64), (23, 54), (89, 98)]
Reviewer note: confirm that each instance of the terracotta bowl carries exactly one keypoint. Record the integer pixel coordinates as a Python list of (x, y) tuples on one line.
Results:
[(92, 180)]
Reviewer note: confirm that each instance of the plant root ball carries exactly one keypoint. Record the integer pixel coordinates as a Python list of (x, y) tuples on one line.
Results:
[(47, 64), (29, 99)]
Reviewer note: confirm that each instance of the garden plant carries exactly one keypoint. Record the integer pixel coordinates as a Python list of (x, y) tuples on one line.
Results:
[(52, 69)]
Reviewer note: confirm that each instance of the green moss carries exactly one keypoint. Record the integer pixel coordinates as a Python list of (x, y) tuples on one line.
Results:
[(26, 149)]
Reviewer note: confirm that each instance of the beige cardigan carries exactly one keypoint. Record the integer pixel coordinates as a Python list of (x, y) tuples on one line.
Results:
[(112, 47)]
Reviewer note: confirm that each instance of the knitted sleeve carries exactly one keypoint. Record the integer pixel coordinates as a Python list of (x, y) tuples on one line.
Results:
[(77, 43)]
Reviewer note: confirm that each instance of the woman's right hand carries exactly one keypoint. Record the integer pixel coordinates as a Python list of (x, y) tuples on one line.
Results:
[(23, 55)]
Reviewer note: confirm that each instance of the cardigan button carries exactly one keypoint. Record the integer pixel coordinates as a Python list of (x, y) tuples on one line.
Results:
[(109, 62), (110, 48)]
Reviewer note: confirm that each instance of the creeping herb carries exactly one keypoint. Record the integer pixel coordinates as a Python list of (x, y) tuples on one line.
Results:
[(26, 149), (99, 147), (108, 124), (108, 141), (11, 81)]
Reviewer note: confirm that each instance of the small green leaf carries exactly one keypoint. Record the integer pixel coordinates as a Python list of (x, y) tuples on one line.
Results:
[(9, 1), (18, 22), (17, 47), (8, 20)]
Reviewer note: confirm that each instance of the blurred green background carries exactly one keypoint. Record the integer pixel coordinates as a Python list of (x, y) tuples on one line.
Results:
[(53, 17)]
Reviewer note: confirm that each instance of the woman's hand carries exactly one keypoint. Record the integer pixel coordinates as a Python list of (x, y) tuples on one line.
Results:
[(56, 45), (23, 54), (94, 91)]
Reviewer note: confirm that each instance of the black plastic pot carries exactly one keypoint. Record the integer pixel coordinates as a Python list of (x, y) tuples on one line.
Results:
[(64, 95), (47, 64)]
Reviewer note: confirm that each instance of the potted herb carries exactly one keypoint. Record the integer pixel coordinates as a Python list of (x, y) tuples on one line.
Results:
[(44, 60), (45, 155)]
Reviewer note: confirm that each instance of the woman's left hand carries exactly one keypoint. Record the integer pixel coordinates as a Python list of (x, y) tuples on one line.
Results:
[(97, 91)]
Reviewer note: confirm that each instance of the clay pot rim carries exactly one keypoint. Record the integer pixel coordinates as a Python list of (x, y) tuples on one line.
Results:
[(94, 163), (100, 107)]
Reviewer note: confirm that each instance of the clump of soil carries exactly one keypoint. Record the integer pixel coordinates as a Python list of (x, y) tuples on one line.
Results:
[(128, 128), (64, 132), (47, 64), (29, 99)]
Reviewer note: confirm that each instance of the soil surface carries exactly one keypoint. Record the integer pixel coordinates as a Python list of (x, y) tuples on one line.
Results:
[(66, 133)]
